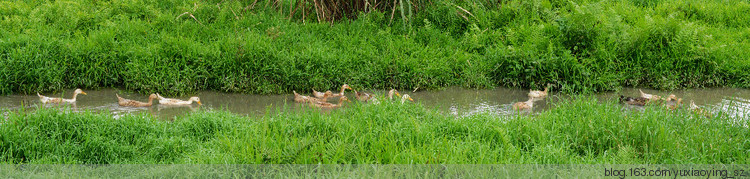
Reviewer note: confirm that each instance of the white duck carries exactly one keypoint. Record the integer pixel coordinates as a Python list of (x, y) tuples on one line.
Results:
[(49, 100), (406, 97), (650, 97), (322, 95), (171, 101), (304, 99)]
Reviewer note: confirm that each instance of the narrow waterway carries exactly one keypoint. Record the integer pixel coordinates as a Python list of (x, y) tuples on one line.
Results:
[(455, 101)]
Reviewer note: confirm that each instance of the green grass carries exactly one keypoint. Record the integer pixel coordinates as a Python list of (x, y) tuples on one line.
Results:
[(578, 46), (581, 131)]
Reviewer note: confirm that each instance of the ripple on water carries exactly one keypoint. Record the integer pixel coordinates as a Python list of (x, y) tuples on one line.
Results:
[(734, 107)]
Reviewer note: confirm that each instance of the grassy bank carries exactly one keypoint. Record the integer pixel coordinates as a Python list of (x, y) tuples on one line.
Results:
[(579, 46), (576, 132)]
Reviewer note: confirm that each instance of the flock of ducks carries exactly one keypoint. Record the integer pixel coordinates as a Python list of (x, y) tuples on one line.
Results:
[(124, 102), (671, 102), (320, 99)]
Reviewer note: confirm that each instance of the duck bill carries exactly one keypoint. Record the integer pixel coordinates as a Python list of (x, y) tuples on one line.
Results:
[(84, 93), (399, 95), (411, 99), (199, 103)]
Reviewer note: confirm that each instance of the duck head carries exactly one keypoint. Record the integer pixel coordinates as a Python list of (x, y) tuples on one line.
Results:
[(196, 99)]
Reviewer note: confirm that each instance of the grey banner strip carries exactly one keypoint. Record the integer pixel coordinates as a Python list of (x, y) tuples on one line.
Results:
[(372, 171)]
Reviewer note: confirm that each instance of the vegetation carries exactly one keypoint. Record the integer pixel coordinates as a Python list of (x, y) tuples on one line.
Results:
[(579, 131), (172, 46)]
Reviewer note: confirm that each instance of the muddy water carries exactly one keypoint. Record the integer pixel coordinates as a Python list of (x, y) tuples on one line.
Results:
[(456, 101)]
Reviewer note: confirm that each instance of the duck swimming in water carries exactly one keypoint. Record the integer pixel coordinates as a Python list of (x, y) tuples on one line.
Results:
[(638, 101), (649, 97), (49, 100), (539, 94), (304, 99), (524, 105), (328, 105), (343, 89), (177, 102), (133, 103)]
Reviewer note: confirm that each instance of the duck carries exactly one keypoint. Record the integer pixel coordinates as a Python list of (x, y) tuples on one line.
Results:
[(539, 94), (322, 95), (699, 110), (362, 96), (406, 97), (524, 105), (322, 104), (392, 92), (649, 96), (134, 103), (638, 101), (671, 97), (673, 104), (171, 101), (343, 89), (49, 100), (303, 99)]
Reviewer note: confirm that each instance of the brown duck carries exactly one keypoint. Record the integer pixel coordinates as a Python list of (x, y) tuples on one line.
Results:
[(524, 105), (362, 96), (322, 104), (638, 101), (133, 103), (303, 99)]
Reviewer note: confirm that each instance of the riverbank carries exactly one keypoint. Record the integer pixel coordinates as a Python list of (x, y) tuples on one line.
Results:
[(581, 131), (577, 46)]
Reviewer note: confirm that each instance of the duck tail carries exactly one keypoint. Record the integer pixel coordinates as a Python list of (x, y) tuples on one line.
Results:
[(642, 93), (37, 93)]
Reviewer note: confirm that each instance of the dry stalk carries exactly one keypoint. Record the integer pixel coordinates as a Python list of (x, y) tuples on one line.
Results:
[(235, 14), (462, 15), (291, 13), (393, 11), (317, 10), (195, 7), (367, 5), (251, 6), (472, 15)]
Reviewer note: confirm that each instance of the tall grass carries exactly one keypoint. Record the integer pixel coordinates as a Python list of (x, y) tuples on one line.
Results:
[(583, 130), (255, 47)]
